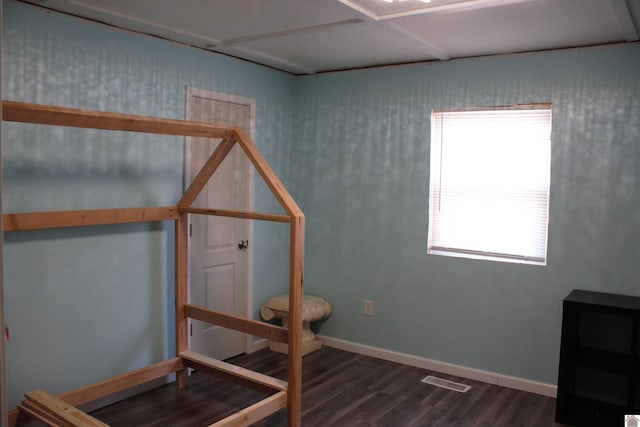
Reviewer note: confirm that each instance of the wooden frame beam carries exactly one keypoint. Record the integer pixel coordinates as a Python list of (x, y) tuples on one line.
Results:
[(207, 171), (4, 410), (237, 214), (287, 395), (181, 286), (255, 412), (268, 175), (122, 382), (81, 218), (116, 384), (296, 292), (246, 377), (55, 411), (74, 117), (237, 323)]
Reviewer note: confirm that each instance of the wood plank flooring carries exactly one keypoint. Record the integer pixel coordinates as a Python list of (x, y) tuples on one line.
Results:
[(339, 389)]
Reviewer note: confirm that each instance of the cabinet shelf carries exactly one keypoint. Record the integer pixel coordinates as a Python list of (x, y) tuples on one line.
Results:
[(599, 370), (608, 361)]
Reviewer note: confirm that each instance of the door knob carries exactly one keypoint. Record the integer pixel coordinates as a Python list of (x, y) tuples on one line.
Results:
[(244, 244)]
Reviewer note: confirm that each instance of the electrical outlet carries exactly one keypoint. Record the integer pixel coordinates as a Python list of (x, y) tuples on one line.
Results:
[(368, 307)]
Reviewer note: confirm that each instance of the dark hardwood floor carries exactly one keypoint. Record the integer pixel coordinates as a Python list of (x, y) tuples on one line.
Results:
[(339, 389)]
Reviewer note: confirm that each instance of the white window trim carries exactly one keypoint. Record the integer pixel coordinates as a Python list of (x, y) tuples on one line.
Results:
[(478, 252)]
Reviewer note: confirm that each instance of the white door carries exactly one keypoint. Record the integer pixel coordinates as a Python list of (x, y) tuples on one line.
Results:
[(219, 271)]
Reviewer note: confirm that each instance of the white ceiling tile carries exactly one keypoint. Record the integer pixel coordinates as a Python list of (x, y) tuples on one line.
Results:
[(355, 46), (306, 36), (224, 19), (543, 24)]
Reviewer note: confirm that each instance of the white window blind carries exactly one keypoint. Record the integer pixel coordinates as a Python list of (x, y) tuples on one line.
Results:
[(489, 186)]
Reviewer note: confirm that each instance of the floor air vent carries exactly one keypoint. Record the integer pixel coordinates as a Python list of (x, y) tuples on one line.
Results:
[(439, 382)]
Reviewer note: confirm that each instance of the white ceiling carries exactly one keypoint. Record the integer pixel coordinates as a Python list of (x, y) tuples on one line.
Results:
[(310, 36)]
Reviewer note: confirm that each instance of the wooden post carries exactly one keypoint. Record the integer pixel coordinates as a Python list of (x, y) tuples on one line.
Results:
[(32, 113), (296, 275), (296, 291), (3, 379), (181, 291)]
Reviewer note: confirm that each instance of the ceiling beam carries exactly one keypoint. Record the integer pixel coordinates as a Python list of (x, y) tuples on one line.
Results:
[(460, 6), (292, 31), (623, 18), (361, 10), (429, 48), (146, 26), (150, 27), (268, 59)]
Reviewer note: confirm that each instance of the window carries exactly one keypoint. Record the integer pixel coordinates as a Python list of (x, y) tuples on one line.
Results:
[(489, 186)]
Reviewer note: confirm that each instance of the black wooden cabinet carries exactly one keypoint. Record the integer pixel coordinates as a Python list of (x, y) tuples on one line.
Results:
[(599, 372)]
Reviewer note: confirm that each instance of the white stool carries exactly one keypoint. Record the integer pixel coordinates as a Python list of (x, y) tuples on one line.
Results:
[(313, 308)]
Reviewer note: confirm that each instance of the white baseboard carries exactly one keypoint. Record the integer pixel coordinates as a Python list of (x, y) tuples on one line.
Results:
[(443, 367)]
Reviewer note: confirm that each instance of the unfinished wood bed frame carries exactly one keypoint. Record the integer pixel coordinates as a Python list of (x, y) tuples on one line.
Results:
[(61, 410)]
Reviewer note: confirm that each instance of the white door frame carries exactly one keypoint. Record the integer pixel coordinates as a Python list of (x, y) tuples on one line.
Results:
[(192, 92)]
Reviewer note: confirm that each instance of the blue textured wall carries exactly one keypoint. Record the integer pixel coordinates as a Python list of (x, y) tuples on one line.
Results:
[(86, 304), (353, 147), (362, 173)]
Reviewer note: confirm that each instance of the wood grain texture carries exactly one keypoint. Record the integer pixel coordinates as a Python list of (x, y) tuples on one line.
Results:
[(39, 414), (62, 116), (245, 376), (74, 117), (268, 175), (111, 386), (339, 389), (296, 272), (237, 214), (4, 410), (182, 289), (296, 292), (82, 218), (237, 323), (255, 412), (122, 382), (55, 411), (207, 171)]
